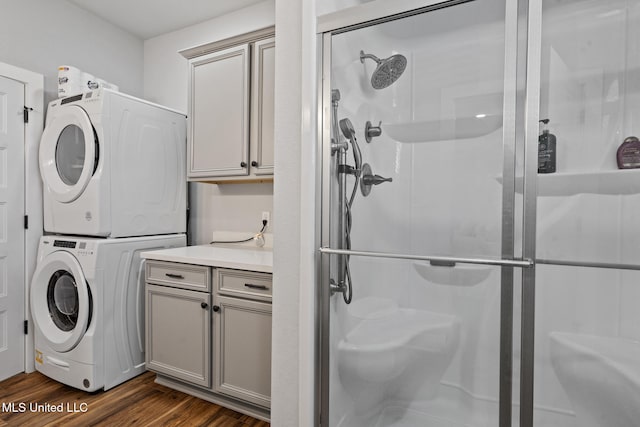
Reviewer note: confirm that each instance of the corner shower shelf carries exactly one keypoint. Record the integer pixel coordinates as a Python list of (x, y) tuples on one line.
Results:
[(612, 182), (459, 275), (443, 130)]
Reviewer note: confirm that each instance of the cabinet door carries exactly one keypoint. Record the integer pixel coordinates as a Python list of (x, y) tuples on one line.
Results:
[(219, 113), (243, 350), (178, 331), (262, 106)]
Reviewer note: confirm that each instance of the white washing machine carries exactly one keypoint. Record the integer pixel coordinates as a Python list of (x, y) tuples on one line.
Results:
[(113, 166), (87, 304)]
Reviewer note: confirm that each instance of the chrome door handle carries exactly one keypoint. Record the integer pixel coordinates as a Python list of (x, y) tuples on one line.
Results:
[(252, 286)]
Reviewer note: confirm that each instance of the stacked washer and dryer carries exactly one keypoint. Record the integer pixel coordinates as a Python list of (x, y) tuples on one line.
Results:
[(113, 169)]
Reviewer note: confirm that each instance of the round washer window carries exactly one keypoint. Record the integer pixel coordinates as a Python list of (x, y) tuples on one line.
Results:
[(62, 300), (70, 154)]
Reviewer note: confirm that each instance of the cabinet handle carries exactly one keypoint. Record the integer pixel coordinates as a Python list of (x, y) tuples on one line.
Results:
[(243, 164), (215, 308), (254, 164), (252, 286), (204, 305), (174, 276)]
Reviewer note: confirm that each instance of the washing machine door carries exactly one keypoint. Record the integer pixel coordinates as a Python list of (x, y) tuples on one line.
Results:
[(68, 154), (60, 301)]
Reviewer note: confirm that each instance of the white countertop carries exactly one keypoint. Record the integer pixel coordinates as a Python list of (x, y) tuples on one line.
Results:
[(239, 257)]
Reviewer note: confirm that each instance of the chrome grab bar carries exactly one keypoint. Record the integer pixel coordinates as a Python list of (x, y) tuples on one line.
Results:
[(608, 265), (526, 263)]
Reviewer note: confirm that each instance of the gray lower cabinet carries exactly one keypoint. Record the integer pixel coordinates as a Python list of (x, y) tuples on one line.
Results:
[(243, 349), (178, 333), (211, 328)]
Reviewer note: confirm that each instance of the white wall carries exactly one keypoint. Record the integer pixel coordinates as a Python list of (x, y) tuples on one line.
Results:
[(293, 361), (230, 207), (40, 35)]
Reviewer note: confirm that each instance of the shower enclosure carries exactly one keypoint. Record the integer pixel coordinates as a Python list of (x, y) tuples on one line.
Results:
[(459, 285)]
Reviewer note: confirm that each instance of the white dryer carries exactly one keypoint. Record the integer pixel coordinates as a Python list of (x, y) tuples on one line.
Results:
[(113, 166), (87, 304)]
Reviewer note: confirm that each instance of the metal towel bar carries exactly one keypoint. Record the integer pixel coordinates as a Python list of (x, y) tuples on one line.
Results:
[(526, 263)]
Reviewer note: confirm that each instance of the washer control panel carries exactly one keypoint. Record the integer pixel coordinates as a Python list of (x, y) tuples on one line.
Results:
[(64, 244), (82, 247)]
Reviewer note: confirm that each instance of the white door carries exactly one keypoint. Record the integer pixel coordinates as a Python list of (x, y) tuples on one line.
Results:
[(11, 227)]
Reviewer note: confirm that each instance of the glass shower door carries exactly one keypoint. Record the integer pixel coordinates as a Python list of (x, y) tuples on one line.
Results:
[(587, 341), (419, 211)]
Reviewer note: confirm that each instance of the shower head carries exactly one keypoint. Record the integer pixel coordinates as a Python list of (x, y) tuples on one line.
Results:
[(387, 71)]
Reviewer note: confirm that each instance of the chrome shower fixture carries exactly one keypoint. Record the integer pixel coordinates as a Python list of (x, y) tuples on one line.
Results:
[(369, 179), (371, 131), (335, 96), (337, 143), (350, 133), (347, 129), (387, 71)]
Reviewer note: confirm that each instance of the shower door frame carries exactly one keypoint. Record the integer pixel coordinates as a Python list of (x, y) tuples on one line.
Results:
[(520, 117)]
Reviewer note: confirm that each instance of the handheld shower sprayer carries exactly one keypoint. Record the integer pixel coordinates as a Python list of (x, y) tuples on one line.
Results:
[(364, 179), (337, 143), (350, 133), (344, 284)]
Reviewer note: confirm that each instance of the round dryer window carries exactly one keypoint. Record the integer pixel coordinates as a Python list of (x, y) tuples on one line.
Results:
[(61, 301), (70, 154)]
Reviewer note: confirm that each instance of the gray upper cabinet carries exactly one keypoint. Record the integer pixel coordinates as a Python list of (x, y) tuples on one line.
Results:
[(231, 108), (262, 106), (219, 114)]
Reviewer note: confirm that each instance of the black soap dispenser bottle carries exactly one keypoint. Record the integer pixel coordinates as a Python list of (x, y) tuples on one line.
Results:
[(546, 150)]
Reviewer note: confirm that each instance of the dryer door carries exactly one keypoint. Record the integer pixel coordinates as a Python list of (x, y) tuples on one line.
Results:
[(60, 301), (68, 153)]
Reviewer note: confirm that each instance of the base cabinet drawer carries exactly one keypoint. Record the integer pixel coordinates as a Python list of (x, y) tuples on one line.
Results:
[(243, 349), (185, 276), (178, 331), (244, 284)]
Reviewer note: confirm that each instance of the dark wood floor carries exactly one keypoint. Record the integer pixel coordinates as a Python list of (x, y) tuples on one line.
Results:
[(138, 402)]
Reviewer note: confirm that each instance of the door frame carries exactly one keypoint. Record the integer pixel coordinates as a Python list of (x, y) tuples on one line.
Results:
[(34, 101)]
